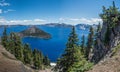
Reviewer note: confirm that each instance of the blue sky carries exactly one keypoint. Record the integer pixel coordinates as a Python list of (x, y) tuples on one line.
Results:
[(55, 11)]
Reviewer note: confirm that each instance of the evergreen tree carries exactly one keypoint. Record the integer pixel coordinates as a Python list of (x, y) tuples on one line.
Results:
[(89, 42), (110, 17), (83, 44), (27, 54), (23, 52), (36, 59), (97, 32), (82, 66), (46, 61), (18, 47), (4, 38), (98, 28), (71, 54), (41, 57), (11, 46), (106, 38)]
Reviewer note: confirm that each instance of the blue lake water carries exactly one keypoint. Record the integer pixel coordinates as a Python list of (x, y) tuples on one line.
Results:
[(53, 47)]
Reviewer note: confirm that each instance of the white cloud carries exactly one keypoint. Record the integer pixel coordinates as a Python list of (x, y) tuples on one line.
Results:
[(39, 20), (9, 10), (91, 21), (22, 22), (4, 4), (19, 22), (61, 19), (0, 11), (88, 21), (27, 21), (3, 21), (74, 21)]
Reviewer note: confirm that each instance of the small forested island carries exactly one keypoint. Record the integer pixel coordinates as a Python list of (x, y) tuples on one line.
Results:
[(34, 32)]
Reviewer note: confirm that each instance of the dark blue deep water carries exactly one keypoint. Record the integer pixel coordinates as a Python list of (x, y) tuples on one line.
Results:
[(53, 47)]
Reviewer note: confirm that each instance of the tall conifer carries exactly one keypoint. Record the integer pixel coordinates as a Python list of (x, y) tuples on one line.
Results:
[(90, 42), (71, 54)]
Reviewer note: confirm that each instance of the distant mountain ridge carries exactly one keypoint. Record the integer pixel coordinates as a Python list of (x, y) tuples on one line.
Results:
[(57, 25), (52, 25), (78, 26)]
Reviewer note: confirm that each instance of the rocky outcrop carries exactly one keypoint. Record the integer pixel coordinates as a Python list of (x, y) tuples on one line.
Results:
[(8, 63), (102, 50), (34, 32), (111, 64)]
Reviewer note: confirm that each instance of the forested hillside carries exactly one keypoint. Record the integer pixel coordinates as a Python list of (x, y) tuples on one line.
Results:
[(23, 52)]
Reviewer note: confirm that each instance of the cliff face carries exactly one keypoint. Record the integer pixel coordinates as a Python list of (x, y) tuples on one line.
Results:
[(8, 63), (109, 36), (103, 50), (111, 64)]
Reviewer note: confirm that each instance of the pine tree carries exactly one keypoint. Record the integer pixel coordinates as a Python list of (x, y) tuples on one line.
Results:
[(36, 59), (97, 32), (82, 66), (18, 47), (46, 61), (110, 17), (107, 38), (41, 57), (89, 42), (71, 54), (27, 54), (98, 28), (22, 52), (4, 38), (83, 44), (11, 46)]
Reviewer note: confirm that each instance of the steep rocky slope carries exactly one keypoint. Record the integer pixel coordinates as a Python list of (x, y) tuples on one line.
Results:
[(8, 63), (111, 64), (106, 52), (109, 36), (101, 50)]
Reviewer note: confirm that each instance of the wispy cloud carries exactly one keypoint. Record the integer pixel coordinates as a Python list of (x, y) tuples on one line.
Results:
[(0, 11), (61, 19), (39, 20), (3, 3), (22, 22), (9, 10), (72, 21), (81, 20), (14, 22), (87, 21)]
